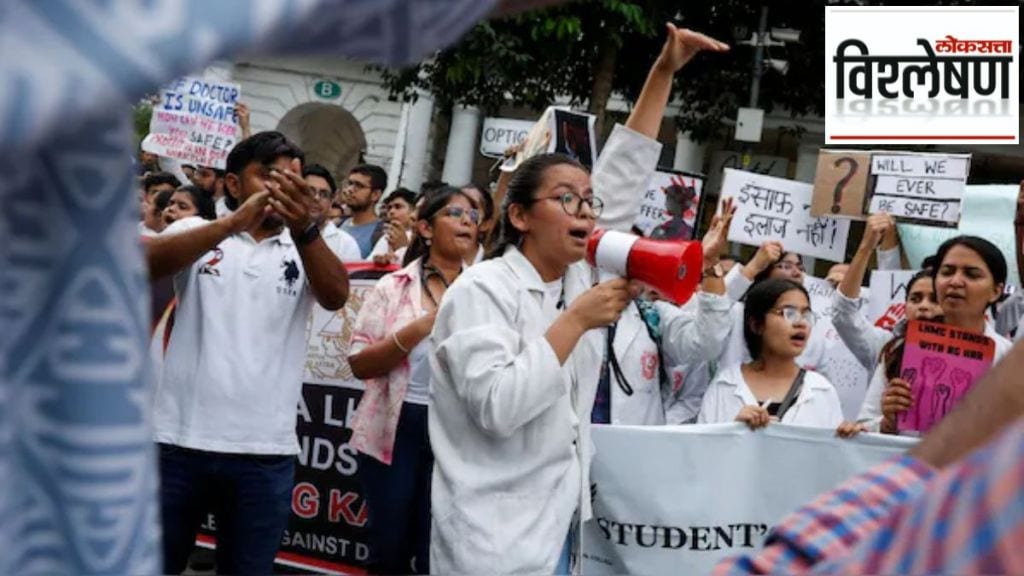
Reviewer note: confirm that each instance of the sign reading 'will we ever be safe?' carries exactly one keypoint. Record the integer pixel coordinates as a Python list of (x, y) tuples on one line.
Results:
[(922, 74)]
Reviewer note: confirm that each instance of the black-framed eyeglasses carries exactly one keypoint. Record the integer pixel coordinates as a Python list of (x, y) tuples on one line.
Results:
[(573, 203), (793, 315), (458, 212)]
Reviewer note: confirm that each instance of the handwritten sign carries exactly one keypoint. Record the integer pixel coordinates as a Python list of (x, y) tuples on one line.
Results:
[(940, 362), (919, 187), (195, 122), (670, 206), (769, 208), (887, 305), (988, 211), (841, 183), (756, 163)]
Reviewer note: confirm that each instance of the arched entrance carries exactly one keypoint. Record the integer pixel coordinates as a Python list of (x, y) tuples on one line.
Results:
[(329, 135)]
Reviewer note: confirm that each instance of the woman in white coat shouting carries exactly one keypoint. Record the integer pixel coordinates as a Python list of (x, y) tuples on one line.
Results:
[(516, 364)]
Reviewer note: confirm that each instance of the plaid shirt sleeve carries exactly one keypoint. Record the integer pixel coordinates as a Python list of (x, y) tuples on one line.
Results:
[(899, 518)]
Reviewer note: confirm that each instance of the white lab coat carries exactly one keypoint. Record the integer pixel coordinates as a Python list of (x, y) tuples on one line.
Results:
[(509, 425), (817, 405), (695, 332), (871, 410)]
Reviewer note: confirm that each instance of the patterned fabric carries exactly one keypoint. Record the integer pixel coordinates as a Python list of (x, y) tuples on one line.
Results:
[(394, 302), (77, 467), (902, 518)]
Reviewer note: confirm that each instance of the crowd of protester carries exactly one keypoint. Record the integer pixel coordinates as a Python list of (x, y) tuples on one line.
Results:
[(491, 350)]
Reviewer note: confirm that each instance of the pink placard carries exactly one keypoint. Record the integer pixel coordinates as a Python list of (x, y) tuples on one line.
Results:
[(941, 363)]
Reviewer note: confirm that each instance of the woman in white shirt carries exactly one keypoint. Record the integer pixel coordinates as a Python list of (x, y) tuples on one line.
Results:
[(969, 277), (389, 353), (516, 362), (777, 323)]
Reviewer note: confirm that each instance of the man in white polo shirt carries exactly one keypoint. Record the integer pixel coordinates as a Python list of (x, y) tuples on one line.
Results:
[(225, 407)]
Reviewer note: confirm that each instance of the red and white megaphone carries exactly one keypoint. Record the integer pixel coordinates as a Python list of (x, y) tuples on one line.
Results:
[(672, 268)]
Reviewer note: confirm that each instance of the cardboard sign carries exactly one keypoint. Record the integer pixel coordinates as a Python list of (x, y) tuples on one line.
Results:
[(670, 208), (195, 122), (769, 208), (841, 184), (919, 187), (940, 362), (888, 296)]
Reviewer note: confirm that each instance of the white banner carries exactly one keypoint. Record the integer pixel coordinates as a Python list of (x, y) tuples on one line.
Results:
[(769, 208), (678, 499)]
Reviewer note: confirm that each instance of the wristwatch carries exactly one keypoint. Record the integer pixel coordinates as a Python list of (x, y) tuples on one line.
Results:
[(312, 232), (715, 271)]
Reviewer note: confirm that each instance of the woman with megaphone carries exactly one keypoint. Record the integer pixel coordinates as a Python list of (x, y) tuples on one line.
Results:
[(518, 349)]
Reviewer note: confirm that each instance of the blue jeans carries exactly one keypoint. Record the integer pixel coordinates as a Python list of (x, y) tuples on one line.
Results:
[(398, 498), (249, 495)]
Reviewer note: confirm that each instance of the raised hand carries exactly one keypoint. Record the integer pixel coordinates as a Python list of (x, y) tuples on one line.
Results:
[(682, 44), (290, 197), (714, 241)]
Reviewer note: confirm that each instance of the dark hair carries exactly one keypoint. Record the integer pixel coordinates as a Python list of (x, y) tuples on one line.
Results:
[(161, 200), (488, 206), (764, 274), (891, 355), (431, 186), (929, 263), (202, 200), (404, 194), (760, 299), (260, 148), (378, 177), (521, 189), (431, 206), (318, 170), (158, 178)]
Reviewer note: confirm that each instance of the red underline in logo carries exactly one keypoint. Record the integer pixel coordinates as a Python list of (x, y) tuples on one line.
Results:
[(928, 137)]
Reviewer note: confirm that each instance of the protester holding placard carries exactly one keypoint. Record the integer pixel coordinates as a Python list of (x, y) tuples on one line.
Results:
[(860, 336), (777, 322), (389, 352), (969, 277), (516, 364)]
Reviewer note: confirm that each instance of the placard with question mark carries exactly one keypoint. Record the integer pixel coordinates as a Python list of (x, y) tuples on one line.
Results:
[(841, 184)]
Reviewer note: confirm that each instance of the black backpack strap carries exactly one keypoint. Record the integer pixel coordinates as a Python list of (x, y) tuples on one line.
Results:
[(791, 396)]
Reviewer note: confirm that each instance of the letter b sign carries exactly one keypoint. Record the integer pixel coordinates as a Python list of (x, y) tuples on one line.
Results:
[(327, 90)]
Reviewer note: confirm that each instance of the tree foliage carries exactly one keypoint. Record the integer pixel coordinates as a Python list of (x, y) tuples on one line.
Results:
[(587, 49)]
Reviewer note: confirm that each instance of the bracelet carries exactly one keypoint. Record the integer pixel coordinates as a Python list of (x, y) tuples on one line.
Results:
[(394, 338)]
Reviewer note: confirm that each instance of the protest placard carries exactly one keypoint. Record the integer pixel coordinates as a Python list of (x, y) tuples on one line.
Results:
[(988, 211), (769, 208), (888, 296), (841, 183), (499, 134), (195, 121), (940, 362), (921, 187), (670, 208), (562, 131)]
